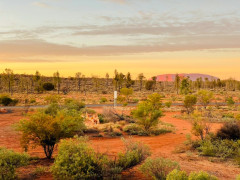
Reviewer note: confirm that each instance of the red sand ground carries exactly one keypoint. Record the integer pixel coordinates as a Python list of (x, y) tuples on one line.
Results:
[(161, 146)]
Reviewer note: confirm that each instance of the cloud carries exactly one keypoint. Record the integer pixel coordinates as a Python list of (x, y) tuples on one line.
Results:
[(41, 4), (38, 48), (117, 1)]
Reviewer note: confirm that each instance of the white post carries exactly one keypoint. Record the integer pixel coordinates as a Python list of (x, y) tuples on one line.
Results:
[(115, 99)]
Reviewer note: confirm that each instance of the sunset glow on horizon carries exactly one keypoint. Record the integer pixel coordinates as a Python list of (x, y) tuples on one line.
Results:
[(96, 37)]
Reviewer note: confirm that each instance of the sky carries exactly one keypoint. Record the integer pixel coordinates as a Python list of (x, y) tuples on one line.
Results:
[(138, 36)]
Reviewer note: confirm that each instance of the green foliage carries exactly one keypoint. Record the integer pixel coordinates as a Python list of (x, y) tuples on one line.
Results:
[(149, 85), (200, 128), (168, 104), (46, 130), (52, 99), (230, 130), (189, 102), (135, 153), (238, 177), (9, 161), (177, 175), (76, 160), (230, 101), (132, 129), (103, 100), (5, 100), (158, 168), (48, 86), (219, 148), (101, 118), (201, 176), (148, 112), (205, 97), (185, 86), (72, 104)]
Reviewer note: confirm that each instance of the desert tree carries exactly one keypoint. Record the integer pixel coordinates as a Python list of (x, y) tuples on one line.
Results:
[(189, 103), (149, 85), (57, 80), (205, 97), (107, 79), (37, 78), (46, 129), (8, 77), (129, 81), (141, 77), (84, 79), (148, 112), (185, 86), (127, 92), (78, 80), (177, 83), (154, 79)]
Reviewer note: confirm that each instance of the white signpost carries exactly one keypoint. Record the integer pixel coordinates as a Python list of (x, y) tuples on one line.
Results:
[(115, 98)]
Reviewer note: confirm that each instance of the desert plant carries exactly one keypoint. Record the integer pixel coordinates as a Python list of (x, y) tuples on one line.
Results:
[(158, 168), (230, 101), (103, 100), (46, 130), (185, 86), (9, 161), (148, 112), (201, 176), (135, 153), (76, 160), (205, 97), (168, 104), (189, 102), (200, 128), (127, 92), (5, 100), (177, 175), (48, 86), (72, 104), (229, 130)]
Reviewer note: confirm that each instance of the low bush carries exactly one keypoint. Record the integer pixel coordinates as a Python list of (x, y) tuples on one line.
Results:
[(103, 100), (102, 119), (132, 129), (72, 104), (177, 175), (9, 161), (230, 101), (135, 153), (201, 176), (168, 104), (230, 130), (219, 148), (157, 132), (7, 101), (158, 168), (48, 86), (76, 160)]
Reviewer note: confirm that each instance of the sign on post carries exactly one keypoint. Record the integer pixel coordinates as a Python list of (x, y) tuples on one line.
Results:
[(115, 98)]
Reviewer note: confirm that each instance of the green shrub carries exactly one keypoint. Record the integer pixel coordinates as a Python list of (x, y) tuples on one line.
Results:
[(219, 148), (5, 100), (201, 176), (228, 115), (158, 168), (135, 153), (132, 129), (168, 104), (238, 177), (76, 160), (157, 132), (101, 118), (189, 103), (48, 86), (230, 101), (229, 130), (9, 161), (177, 175), (103, 100), (72, 104)]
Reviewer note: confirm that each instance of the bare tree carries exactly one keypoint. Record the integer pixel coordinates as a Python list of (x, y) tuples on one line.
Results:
[(57, 80)]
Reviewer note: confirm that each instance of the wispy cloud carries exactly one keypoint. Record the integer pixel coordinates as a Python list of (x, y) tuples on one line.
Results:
[(41, 4)]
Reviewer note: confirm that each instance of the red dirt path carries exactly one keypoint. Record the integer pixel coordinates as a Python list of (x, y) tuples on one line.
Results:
[(161, 146)]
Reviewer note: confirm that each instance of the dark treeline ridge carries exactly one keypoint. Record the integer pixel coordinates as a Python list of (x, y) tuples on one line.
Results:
[(37, 83)]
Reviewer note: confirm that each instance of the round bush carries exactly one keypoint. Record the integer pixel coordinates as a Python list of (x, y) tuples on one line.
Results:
[(5, 100), (229, 131), (76, 160), (201, 176), (177, 175), (48, 86)]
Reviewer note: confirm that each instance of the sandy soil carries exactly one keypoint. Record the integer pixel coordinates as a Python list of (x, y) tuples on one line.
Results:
[(161, 146)]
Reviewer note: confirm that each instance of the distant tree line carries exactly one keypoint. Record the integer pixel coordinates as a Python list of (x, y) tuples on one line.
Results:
[(37, 83)]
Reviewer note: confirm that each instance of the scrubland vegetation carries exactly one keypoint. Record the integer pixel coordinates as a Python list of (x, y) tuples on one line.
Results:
[(65, 128)]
